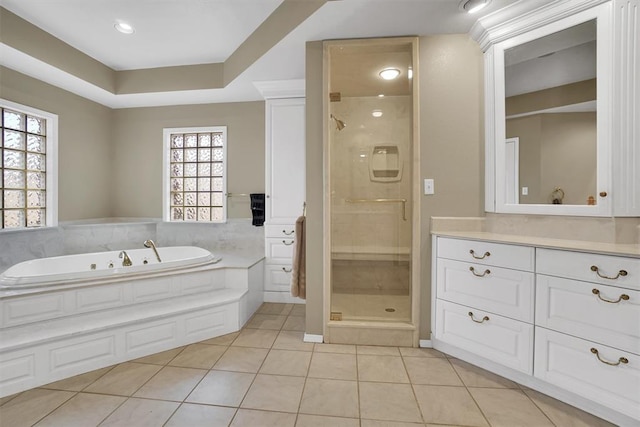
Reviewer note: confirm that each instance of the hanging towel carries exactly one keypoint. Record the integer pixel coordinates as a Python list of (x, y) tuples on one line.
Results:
[(298, 273)]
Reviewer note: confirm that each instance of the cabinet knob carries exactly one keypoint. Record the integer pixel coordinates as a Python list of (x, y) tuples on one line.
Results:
[(603, 194)]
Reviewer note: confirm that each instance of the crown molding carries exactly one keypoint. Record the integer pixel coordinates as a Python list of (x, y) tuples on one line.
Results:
[(524, 16), (274, 89)]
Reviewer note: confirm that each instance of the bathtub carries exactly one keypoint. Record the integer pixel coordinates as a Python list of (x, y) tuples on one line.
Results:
[(60, 318), (101, 266)]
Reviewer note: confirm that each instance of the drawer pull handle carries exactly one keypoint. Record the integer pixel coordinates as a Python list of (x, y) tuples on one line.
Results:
[(484, 319), (473, 254), (622, 297), (621, 360), (287, 244), (621, 273), (287, 271), (289, 233), (471, 269)]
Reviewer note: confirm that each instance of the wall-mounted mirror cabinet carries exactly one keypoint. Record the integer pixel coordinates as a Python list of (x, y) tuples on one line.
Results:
[(550, 133)]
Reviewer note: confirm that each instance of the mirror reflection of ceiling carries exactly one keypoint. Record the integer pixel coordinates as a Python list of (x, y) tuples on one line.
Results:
[(558, 59), (355, 70)]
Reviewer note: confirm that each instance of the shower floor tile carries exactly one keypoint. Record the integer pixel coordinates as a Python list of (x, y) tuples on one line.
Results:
[(372, 307), (269, 377)]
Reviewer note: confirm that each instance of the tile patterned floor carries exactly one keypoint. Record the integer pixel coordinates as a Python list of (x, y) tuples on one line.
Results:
[(265, 375)]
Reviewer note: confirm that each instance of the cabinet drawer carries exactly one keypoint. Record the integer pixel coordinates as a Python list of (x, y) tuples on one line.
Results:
[(279, 250), (498, 290), (578, 308), (283, 231), (277, 277), (497, 254), (617, 271), (496, 338), (570, 363)]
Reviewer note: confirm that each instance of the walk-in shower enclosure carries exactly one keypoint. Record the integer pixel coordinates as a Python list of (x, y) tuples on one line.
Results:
[(372, 222)]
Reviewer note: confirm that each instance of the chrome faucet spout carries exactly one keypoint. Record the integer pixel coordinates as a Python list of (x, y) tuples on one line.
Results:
[(126, 261), (149, 244)]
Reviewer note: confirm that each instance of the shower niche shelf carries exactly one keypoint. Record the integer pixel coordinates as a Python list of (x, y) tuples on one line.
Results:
[(385, 164)]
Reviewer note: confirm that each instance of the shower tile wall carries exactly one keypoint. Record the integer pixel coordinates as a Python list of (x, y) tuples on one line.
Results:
[(369, 227)]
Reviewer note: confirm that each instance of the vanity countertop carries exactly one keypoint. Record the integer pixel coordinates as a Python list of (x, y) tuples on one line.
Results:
[(632, 250)]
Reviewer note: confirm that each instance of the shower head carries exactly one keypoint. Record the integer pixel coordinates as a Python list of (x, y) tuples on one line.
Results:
[(339, 123)]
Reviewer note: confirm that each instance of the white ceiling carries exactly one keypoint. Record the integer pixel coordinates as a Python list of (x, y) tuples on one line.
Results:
[(180, 32)]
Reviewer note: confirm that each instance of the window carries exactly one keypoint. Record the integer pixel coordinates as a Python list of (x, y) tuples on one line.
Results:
[(28, 167), (195, 169)]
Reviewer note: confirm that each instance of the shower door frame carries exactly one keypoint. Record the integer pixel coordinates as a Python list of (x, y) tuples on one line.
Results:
[(415, 257)]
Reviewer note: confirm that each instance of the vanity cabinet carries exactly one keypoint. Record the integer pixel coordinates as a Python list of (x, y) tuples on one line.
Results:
[(569, 320), (285, 192), (482, 306)]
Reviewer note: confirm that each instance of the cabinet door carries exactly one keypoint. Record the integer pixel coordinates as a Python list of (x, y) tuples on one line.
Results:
[(285, 155), (603, 374), (486, 253), (498, 290), (605, 314), (505, 341)]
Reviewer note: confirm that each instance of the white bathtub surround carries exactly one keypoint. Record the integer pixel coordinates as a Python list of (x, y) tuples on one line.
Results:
[(21, 245), (235, 237), (51, 333)]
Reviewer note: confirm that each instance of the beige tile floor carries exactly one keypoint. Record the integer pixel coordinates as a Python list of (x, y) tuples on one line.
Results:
[(265, 375)]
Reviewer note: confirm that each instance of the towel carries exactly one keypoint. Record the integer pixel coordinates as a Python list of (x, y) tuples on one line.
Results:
[(298, 273)]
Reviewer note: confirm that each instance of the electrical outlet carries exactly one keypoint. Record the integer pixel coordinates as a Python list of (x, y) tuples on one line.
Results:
[(525, 191), (429, 187)]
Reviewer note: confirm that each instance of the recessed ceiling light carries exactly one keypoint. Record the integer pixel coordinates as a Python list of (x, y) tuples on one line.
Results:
[(389, 73), (472, 6), (376, 113), (381, 95), (124, 27), (410, 73)]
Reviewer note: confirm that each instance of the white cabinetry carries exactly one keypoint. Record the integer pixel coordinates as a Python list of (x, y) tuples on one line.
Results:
[(483, 307), (285, 191), (583, 344)]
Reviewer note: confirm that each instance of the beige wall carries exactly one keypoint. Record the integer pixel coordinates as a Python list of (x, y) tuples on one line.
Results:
[(549, 143), (110, 161), (137, 145), (84, 144), (451, 145)]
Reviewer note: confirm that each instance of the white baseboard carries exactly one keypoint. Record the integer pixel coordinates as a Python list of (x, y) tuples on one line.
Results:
[(425, 344), (313, 338)]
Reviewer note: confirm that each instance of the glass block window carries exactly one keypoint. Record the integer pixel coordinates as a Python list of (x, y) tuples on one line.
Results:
[(25, 170), (195, 174)]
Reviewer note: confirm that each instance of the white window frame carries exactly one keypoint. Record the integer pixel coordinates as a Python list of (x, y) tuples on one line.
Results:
[(166, 174), (51, 155)]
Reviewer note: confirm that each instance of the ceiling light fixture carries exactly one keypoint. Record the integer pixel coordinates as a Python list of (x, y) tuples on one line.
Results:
[(472, 6), (410, 73), (124, 27), (376, 113), (381, 95), (389, 73)]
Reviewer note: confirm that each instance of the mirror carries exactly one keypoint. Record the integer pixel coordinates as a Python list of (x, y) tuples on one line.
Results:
[(551, 130), (550, 107)]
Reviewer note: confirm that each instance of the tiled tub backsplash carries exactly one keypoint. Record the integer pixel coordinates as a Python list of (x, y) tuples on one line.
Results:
[(235, 237)]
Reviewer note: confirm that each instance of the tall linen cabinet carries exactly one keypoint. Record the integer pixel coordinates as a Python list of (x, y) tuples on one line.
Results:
[(285, 192)]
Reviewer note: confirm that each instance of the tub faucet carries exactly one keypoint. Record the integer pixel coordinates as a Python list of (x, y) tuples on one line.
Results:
[(126, 261), (149, 244)]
